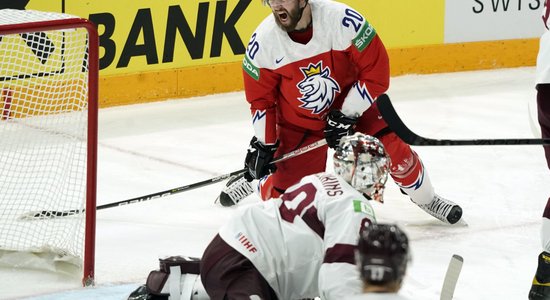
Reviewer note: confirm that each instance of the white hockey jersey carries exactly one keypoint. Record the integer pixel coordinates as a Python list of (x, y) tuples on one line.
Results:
[(303, 243), (543, 59)]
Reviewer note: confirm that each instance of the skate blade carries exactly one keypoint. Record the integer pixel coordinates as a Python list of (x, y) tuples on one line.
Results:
[(460, 223)]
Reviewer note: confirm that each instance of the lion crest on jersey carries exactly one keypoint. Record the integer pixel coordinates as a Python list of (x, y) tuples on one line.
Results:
[(318, 89)]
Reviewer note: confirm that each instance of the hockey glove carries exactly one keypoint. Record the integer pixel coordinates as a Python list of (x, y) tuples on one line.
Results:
[(258, 159), (338, 125)]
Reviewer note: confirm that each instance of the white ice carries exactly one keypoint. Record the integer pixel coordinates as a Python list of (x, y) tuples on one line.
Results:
[(153, 147)]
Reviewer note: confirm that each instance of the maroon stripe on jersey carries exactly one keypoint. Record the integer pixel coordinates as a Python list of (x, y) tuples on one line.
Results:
[(311, 220), (546, 14), (340, 253), (543, 109), (546, 213)]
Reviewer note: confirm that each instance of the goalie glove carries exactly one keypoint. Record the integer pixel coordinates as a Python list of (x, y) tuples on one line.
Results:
[(338, 125), (258, 159)]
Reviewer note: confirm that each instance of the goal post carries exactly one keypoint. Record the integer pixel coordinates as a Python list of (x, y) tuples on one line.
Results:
[(48, 136)]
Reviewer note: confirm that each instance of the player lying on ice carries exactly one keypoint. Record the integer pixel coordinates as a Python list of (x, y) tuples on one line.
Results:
[(301, 245), (307, 78)]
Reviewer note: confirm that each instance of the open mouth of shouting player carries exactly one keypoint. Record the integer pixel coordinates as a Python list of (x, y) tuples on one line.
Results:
[(288, 14)]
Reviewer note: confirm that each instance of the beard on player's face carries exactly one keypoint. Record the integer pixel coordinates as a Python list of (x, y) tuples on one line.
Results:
[(287, 15)]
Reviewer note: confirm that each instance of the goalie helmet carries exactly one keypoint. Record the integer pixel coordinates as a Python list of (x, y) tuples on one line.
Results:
[(383, 254), (362, 161)]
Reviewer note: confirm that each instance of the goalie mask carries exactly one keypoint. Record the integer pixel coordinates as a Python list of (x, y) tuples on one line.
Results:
[(362, 161)]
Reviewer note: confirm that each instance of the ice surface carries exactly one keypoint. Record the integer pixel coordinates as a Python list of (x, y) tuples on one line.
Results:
[(153, 147)]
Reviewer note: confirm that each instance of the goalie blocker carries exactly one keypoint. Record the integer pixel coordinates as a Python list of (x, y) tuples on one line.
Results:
[(177, 278)]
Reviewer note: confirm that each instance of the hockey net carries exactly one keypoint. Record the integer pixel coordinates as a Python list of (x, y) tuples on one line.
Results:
[(48, 138)]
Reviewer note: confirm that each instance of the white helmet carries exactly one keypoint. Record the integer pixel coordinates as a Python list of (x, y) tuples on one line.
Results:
[(362, 161)]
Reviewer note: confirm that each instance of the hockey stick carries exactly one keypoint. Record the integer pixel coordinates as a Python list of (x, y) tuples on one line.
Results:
[(408, 136), (451, 277), (44, 214)]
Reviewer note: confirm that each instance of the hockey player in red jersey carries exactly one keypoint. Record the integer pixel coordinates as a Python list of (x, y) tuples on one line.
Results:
[(541, 283), (313, 70)]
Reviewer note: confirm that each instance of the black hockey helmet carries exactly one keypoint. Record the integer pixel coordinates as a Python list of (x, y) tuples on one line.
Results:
[(383, 254)]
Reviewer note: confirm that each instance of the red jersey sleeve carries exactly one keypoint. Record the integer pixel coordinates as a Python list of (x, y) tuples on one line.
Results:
[(373, 77), (261, 93)]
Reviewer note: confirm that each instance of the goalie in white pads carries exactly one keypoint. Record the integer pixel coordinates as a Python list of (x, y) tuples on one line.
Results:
[(301, 245)]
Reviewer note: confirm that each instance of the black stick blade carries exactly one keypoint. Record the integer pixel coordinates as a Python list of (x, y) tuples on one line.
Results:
[(394, 121)]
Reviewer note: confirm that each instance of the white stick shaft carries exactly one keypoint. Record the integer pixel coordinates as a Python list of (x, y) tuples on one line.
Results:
[(302, 150), (451, 277)]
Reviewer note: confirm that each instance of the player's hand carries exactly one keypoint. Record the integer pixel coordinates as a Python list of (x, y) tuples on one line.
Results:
[(338, 125), (258, 159)]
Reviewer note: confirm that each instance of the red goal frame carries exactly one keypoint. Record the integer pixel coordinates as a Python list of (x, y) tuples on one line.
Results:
[(93, 77)]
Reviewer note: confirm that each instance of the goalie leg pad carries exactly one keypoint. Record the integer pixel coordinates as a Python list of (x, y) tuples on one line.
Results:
[(177, 278)]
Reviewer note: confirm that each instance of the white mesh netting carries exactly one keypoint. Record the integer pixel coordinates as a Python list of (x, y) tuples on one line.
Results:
[(43, 133)]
